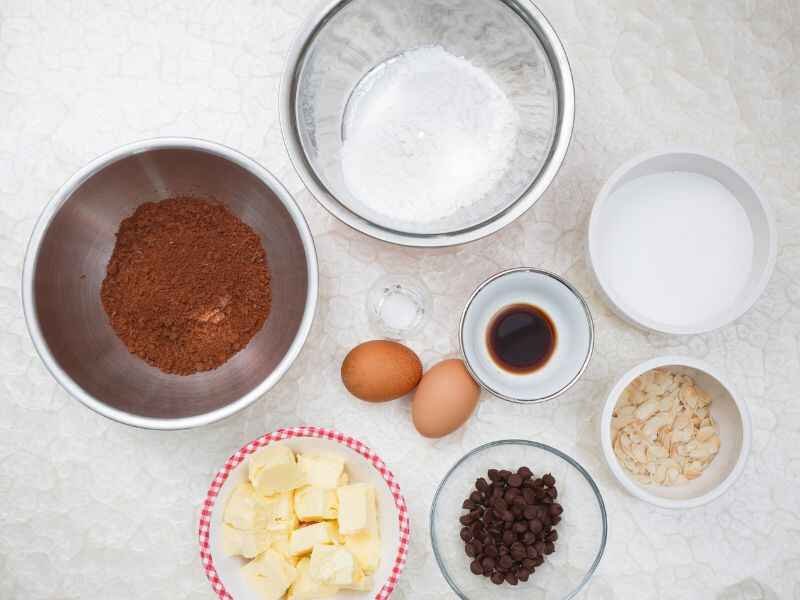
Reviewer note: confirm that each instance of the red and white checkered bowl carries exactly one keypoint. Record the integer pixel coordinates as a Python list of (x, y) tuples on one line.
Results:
[(363, 465)]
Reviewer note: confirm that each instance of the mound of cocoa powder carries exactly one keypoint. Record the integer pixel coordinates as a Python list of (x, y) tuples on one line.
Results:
[(187, 285)]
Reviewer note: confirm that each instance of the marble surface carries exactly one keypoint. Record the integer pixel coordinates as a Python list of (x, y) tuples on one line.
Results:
[(92, 509)]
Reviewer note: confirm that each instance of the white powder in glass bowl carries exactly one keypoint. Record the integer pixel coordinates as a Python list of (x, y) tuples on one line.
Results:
[(426, 134)]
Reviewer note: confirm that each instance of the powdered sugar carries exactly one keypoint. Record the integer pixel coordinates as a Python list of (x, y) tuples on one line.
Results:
[(426, 134)]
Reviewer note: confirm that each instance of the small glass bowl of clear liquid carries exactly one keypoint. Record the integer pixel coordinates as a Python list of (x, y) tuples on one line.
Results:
[(398, 305)]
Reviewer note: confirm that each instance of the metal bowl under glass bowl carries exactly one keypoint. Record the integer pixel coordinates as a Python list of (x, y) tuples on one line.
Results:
[(582, 532), (331, 68), (66, 263)]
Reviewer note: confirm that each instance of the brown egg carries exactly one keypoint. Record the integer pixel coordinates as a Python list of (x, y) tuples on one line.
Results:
[(445, 399), (379, 370)]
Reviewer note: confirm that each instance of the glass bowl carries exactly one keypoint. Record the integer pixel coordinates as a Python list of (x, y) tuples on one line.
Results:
[(582, 531), (341, 50)]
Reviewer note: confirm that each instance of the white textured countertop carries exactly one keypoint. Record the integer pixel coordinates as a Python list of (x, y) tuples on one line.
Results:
[(91, 509)]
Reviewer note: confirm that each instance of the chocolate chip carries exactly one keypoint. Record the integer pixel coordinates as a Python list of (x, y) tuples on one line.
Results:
[(528, 538), (508, 528)]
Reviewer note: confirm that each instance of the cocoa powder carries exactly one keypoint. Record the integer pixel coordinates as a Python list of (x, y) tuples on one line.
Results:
[(187, 286)]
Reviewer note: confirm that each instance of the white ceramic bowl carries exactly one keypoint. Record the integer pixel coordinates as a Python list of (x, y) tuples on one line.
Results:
[(362, 464), (665, 252), (735, 431), (562, 303)]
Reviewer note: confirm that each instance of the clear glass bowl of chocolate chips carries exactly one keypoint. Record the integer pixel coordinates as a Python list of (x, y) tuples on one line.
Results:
[(518, 519)]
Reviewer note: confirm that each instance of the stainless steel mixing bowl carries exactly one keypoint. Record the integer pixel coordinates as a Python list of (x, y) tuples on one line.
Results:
[(66, 263), (348, 40)]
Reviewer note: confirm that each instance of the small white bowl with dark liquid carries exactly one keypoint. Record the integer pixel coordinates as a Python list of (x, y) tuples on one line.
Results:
[(526, 335)]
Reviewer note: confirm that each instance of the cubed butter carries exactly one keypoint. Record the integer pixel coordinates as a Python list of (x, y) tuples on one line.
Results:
[(361, 581), (304, 539), (249, 544), (344, 479), (279, 541), (322, 470), (306, 587), (245, 509), (356, 502), (280, 512), (366, 547), (315, 504), (334, 565), (268, 456), (270, 575), (279, 478)]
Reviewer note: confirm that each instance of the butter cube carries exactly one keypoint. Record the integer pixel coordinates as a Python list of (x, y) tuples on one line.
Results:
[(322, 470), (249, 544), (306, 587), (366, 547), (280, 512), (279, 541), (268, 456), (315, 504), (270, 575), (356, 504), (279, 478), (344, 479), (334, 565), (361, 581), (304, 539), (245, 509)]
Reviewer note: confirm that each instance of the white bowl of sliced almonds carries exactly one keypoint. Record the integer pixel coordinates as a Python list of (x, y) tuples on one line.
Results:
[(303, 513), (674, 433)]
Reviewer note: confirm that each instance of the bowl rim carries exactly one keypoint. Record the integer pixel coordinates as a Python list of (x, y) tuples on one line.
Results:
[(546, 448), (562, 74), (616, 468), (280, 435), (54, 205), (751, 293), (589, 320)]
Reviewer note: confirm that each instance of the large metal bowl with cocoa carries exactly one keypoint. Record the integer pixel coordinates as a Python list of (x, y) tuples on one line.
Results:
[(66, 264)]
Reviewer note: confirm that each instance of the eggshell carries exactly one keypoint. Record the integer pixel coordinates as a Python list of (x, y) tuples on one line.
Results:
[(445, 399), (379, 370)]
